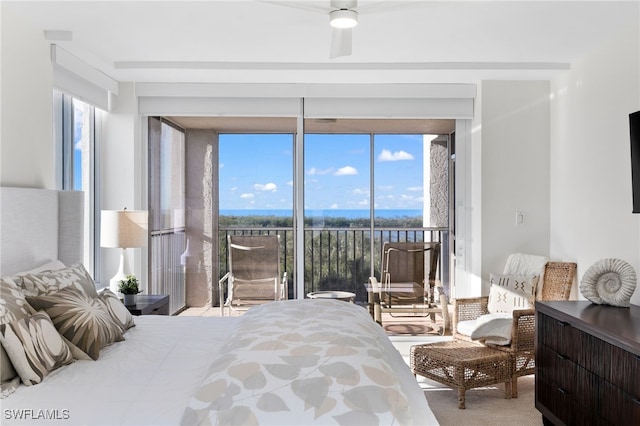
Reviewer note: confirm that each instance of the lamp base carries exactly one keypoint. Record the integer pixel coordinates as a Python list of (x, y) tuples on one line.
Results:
[(123, 271)]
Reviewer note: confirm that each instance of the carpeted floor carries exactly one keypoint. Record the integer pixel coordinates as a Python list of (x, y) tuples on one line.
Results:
[(484, 406)]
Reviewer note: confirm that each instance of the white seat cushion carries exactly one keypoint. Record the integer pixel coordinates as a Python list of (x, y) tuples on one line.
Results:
[(496, 328)]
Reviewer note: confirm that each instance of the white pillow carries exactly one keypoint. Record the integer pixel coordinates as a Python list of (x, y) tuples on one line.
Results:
[(505, 300), (525, 284), (496, 327), (527, 264)]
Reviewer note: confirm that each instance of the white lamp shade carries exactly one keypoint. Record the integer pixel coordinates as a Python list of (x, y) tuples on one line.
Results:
[(123, 228)]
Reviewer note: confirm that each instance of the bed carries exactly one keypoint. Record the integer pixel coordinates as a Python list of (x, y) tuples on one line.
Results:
[(311, 361)]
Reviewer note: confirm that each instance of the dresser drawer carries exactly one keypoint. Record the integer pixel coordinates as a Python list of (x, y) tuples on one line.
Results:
[(582, 348), (617, 406), (568, 378), (625, 371), (564, 406)]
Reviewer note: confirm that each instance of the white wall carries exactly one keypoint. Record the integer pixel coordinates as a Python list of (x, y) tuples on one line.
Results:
[(123, 173), (515, 171), (26, 99), (590, 164)]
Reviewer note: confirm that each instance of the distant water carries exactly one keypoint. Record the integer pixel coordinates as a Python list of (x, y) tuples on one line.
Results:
[(346, 213)]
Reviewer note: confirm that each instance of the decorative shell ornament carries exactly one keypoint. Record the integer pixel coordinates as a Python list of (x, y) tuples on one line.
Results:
[(609, 282)]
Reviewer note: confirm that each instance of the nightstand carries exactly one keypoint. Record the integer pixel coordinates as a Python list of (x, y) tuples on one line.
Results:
[(150, 304)]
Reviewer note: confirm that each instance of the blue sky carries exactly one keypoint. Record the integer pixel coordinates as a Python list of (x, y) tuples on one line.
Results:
[(256, 171)]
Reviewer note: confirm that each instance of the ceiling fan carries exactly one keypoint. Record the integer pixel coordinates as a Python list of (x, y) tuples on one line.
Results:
[(343, 17)]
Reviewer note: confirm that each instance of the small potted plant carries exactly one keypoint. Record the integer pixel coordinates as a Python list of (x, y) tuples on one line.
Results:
[(129, 288)]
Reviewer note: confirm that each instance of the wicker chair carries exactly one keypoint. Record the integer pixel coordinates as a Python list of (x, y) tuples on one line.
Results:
[(557, 283)]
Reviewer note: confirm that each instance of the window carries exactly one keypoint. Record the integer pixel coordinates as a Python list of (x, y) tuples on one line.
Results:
[(167, 211), (76, 131)]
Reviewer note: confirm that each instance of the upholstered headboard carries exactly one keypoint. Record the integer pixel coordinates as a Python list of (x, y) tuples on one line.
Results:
[(37, 225)]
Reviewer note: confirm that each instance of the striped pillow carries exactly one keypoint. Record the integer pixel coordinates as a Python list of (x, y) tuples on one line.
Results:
[(505, 300), (34, 347), (525, 284), (83, 320)]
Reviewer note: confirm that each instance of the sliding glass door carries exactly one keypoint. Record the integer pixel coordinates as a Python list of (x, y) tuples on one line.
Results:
[(334, 194), (255, 187), (363, 189), (337, 212)]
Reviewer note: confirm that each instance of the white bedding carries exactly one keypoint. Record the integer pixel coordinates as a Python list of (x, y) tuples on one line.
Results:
[(151, 377), (145, 380)]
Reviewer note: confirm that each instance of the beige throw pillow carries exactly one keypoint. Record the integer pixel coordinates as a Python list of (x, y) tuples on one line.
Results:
[(83, 320), (116, 309), (34, 347), (13, 307), (49, 282)]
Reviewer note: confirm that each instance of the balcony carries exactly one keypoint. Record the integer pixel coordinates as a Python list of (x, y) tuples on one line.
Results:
[(339, 258), (335, 258)]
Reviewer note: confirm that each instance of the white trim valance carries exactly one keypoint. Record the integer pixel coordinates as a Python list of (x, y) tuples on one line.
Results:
[(388, 108), (75, 77), (454, 101)]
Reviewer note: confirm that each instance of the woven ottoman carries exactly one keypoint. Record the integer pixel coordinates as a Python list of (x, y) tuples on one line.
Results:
[(462, 365)]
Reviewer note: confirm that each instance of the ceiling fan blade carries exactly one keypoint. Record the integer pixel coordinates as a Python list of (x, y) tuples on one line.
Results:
[(340, 42), (343, 4)]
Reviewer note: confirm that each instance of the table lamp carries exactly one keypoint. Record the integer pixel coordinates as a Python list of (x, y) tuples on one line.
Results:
[(123, 229)]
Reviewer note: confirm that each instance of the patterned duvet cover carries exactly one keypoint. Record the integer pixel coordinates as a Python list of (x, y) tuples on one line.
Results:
[(308, 362)]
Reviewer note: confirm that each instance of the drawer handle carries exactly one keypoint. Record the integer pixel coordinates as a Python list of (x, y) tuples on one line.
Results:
[(562, 391), (562, 357), (636, 401)]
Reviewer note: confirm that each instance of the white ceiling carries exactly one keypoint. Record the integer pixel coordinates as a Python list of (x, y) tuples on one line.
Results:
[(285, 41)]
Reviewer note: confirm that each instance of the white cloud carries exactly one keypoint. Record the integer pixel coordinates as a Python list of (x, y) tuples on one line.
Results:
[(246, 195), (313, 171), (359, 191), (387, 155), (346, 171), (385, 187), (363, 203), (266, 187), (334, 206), (414, 189)]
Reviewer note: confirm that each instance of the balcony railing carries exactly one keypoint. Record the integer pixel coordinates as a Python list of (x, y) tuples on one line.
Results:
[(340, 258)]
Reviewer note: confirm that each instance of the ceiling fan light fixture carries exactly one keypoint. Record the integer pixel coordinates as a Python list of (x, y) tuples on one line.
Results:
[(343, 18)]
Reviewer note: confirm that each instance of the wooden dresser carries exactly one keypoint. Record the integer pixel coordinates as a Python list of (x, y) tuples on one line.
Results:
[(587, 363)]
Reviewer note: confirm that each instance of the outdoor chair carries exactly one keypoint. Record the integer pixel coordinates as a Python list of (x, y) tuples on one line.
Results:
[(408, 281), (254, 272), (556, 281)]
